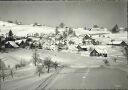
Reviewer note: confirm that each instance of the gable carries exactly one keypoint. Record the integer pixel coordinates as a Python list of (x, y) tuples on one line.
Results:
[(94, 51)]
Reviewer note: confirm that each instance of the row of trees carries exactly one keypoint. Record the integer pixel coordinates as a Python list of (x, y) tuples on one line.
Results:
[(46, 63), (66, 32)]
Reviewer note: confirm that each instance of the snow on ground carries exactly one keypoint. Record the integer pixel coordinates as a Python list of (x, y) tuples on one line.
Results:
[(2, 23), (25, 78), (73, 59), (67, 57), (106, 38), (122, 35), (23, 30), (81, 31), (26, 81), (14, 57)]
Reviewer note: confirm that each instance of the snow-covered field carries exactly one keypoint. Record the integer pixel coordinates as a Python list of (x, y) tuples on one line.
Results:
[(76, 59), (23, 30)]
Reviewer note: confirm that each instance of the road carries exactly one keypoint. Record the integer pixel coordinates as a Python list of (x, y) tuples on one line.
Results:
[(89, 78)]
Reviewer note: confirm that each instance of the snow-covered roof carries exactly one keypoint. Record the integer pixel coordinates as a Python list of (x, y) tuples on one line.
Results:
[(19, 41), (115, 42), (12, 43), (34, 38), (99, 50), (83, 46)]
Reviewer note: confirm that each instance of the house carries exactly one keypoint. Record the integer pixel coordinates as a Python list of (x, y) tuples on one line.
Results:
[(81, 48), (118, 43), (123, 43), (11, 44), (61, 46), (86, 37), (34, 38), (84, 48), (98, 52), (2, 40), (87, 42), (20, 42)]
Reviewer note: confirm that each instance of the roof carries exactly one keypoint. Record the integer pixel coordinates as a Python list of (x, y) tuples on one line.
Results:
[(35, 38), (99, 50), (83, 46), (12, 43), (18, 41), (117, 42)]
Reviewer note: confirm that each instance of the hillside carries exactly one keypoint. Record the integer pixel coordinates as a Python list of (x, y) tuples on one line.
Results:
[(23, 30)]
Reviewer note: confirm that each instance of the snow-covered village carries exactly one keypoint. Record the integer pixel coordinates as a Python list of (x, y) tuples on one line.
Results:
[(37, 56)]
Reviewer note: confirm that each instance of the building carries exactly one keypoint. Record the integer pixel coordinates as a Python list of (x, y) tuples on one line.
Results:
[(11, 44), (20, 42), (118, 43), (81, 48), (98, 52), (87, 42)]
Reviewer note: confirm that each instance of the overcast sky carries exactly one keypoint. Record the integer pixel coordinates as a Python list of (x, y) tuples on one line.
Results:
[(72, 13)]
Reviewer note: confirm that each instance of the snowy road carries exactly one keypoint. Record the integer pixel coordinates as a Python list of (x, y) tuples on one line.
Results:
[(90, 78)]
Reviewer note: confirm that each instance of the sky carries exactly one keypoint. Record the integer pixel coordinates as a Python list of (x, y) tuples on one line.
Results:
[(73, 13)]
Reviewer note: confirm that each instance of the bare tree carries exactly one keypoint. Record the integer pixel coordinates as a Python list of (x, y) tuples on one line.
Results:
[(47, 63), (125, 52), (95, 26), (11, 72), (2, 70), (39, 69), (62, 25), (56, 30), (55, 64), (35, 57), (70, 31), (112, 40)]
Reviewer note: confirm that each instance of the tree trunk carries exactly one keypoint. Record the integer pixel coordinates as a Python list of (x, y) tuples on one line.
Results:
[(12, 73), (39, 74), (48, 69)]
